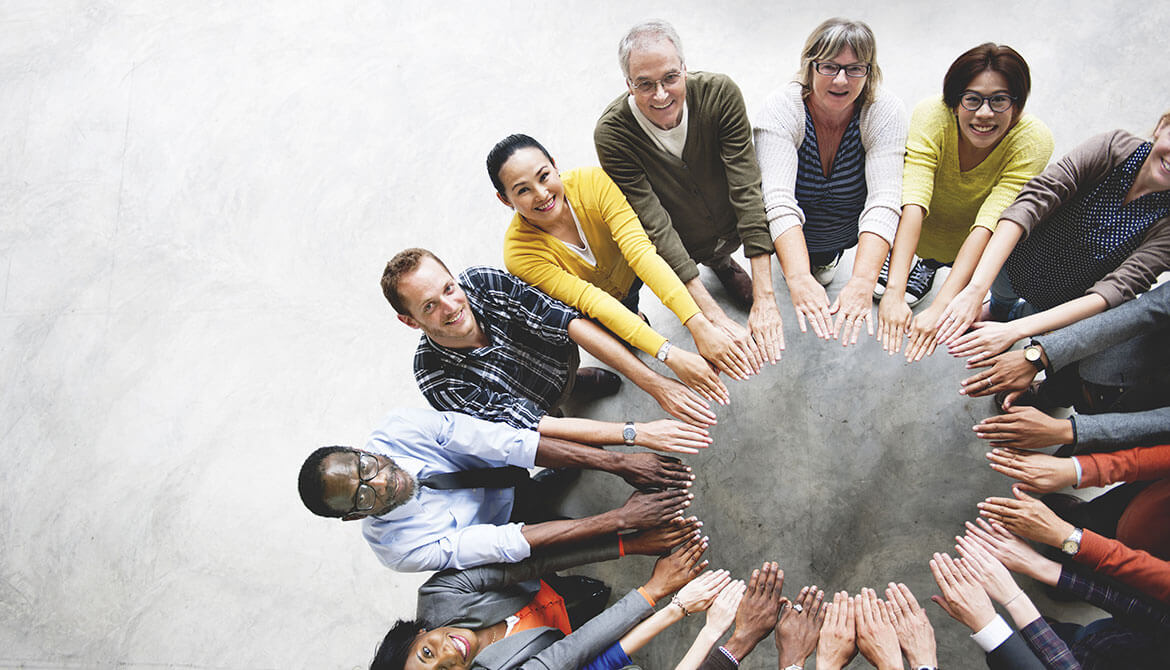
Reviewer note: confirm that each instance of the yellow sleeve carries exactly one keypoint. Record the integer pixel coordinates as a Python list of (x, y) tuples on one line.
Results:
[(534, 260), (639, 251), (923, 152), (1031, 147)]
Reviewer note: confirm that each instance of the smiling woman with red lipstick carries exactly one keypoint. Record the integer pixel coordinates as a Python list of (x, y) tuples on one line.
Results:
[(575, 237), (507, 617), (967, 157), (830, 148)]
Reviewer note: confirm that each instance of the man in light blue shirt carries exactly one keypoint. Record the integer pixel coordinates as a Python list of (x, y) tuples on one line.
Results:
[(413, 526)]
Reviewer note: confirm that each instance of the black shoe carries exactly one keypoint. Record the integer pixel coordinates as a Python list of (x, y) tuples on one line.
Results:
[(919, 282), (736, 282), (594, 383), (879, 288)]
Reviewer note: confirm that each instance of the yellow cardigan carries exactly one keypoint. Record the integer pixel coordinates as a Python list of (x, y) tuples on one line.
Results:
[(956, 202), (620, 247)]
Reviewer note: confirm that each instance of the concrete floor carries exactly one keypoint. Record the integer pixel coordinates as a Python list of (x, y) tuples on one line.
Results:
[(197, 201)]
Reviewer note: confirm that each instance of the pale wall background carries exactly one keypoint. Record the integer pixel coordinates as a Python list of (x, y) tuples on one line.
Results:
[(196, 200)]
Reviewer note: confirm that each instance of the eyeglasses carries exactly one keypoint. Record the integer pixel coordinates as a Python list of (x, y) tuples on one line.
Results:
[(1000, 102), (649, 86), (830, 69), (368, 467)]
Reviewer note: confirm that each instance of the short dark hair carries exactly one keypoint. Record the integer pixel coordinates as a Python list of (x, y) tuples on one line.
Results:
[(403, 263), (504, 150), (392, 652), (988, 56), (311, 485)]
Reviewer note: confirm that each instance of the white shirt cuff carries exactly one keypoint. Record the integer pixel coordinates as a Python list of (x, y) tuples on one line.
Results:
[(1077, 465), (993, 634)]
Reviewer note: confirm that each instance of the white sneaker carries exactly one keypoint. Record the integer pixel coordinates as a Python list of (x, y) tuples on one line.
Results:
[(824, 273)]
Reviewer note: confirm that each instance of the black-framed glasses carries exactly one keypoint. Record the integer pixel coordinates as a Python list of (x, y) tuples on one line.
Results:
[(999, 103), (365, 497), (830, 69), (649, 86)]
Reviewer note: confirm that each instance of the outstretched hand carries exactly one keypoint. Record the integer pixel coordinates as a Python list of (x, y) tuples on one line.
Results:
[(799, 627), (962, 597), (915, 634), (654, 471), (675, 570), (1037, 472), (876, 638), (659, 540), (1027, 517), (838, 642)]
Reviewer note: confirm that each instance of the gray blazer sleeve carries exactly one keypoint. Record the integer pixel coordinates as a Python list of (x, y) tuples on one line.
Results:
[(1072, 343), (1109, 432), (486, 595), (594, 637), (1013, 654)]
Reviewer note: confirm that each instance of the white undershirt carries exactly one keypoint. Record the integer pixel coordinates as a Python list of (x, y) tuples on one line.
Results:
[(584, 252), (671, 141)]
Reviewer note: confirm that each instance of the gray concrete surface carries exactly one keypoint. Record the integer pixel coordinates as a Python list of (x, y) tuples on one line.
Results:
[(196, 200)]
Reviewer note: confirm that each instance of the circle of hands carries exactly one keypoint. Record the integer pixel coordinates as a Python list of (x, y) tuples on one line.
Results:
[(838, 626)]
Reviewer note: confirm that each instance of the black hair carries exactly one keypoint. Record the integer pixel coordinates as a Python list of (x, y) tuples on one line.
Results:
[(988, 56), (311, 485), (504, 150), (392, 652)]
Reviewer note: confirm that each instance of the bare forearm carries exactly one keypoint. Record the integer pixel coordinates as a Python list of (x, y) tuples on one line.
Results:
[(587, 431), (607, 349), (762, 278), (552, 452), (740, 645), (1007, 234), (792, 252), (706, 639), (653, 625), (1060, 316), (1022, 610), (571, 531), (965, 263), (703, 299), (905, 243), (872, 250)]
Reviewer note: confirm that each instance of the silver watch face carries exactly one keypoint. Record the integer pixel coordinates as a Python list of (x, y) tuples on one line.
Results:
[(1032, 354), (1070, 547), (628, 434)]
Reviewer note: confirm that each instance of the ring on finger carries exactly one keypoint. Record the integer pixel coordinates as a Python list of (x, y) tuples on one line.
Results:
[(798, 608)]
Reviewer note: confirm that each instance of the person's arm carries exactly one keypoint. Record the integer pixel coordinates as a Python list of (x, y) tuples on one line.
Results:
[(894, 315), (756, 616), (715, 345), (915, 634), (738, 154), (1130, 604), (696, 596), (672, 395), (641, 511), (989, 338), (1098, 432), (924, 330), (663, 435), (837, 644), (641, 470), (1134, 567), (799, 628), (877, 640), (883, 135), (740, 336), (448, 394), (719, 619), (963, 310), (778, 131), (1113, 326), (574, 650)]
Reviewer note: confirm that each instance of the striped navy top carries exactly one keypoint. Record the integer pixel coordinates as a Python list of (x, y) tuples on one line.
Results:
[(1086, 238), (833, 204)]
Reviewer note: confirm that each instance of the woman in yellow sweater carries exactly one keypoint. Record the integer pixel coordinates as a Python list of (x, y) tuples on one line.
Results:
[(576, 238), (967, 157)]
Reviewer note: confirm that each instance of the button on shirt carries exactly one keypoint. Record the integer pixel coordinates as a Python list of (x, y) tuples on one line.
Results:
[(518, 376), (458, 528)]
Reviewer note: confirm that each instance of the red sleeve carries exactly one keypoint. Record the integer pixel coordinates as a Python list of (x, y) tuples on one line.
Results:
[(1128, 465), (1133, 567)]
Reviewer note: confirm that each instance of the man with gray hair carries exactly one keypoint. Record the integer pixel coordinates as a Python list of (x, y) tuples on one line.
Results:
[(679, 145)]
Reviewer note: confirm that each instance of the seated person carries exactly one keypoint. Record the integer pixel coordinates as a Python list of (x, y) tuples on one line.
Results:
[(830, 147), (498, 349), (443, 490), (1091, 232), (507, 616), (697, 210), (578, 240), (1113, 367), (968, 155)]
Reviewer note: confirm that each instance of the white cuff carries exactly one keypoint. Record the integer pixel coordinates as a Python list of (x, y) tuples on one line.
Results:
[(1077, 465), (992, 635)]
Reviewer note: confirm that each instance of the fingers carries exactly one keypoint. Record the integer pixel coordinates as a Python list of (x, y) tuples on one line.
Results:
[(1011, 397), (692, 409), (902, 599)]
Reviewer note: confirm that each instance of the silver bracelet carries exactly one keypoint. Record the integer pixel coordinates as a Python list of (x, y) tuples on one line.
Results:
[(675, 601), (1010, 600)]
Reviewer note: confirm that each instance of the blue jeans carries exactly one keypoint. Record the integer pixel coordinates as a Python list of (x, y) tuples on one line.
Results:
[(1005, 304)]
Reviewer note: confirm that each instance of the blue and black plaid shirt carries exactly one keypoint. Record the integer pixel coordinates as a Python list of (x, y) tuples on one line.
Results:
[(516, 378)]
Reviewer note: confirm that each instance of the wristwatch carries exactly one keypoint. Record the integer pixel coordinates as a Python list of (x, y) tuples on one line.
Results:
[(663, 351), (794, 667), (1072, 544), (1034, 354), (629, 433)]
